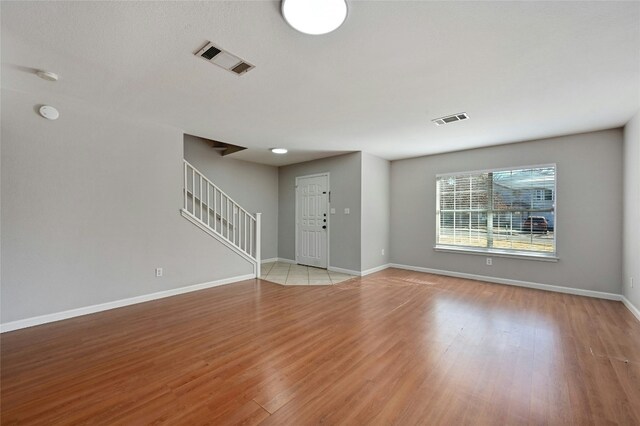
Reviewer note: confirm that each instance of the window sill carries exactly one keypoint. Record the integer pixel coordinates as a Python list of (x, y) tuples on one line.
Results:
[(498, 253)]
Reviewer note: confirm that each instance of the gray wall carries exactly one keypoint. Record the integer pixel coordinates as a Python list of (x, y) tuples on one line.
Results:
[(253, 186), (345, 175), (632, 210), (90, 207), (589, 217), (376, 211)]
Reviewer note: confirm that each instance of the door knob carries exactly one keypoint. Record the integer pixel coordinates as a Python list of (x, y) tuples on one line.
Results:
[(324, 226)]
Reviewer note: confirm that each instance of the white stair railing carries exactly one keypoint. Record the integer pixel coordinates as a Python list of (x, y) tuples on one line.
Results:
[(215, 212)]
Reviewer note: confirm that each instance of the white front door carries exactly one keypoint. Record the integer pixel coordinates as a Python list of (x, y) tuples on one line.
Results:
[(312, 220)]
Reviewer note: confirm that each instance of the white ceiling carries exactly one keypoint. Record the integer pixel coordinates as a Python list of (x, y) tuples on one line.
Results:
[(521, 70)]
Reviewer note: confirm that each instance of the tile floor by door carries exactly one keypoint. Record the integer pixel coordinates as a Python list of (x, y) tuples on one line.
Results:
[(290, 274)]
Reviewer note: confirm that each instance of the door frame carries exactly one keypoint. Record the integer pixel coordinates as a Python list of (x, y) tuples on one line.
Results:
[(295, 221)]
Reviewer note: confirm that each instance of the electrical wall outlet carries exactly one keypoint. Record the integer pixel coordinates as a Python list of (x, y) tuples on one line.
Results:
[(489, 261), (383, 252), (347, 210), (159, 272), (333, 210)]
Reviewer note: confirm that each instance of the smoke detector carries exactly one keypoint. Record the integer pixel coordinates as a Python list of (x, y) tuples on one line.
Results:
[(49, 112), (220, 57), (450, 118), (47, 75)]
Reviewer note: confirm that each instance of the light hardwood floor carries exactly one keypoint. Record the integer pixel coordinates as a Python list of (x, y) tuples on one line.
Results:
[(396, 347)]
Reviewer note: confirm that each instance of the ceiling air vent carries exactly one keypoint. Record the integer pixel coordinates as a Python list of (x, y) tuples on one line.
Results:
[(220, 57), (451, 118), (242, 67), (210, 53)]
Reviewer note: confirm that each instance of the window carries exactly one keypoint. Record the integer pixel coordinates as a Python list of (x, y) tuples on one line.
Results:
[(509, 211), (544, 194)]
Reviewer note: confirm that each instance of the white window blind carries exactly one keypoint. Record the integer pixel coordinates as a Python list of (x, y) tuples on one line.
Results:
[(505, 210)]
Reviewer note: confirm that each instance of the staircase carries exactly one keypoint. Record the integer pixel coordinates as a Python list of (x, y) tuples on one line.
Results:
[(213, 211)]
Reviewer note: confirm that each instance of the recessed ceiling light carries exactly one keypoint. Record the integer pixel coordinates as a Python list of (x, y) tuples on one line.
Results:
[(279, 150), (47, 75), (314, 16)]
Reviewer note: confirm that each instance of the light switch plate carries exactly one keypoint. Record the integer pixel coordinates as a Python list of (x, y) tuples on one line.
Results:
[(333, 210), (347, 211)]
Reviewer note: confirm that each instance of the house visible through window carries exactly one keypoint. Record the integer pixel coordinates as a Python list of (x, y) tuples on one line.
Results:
[(504, 211)]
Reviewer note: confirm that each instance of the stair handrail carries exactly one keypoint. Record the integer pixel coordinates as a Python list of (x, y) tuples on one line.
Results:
[(216, 187), (250, 251)]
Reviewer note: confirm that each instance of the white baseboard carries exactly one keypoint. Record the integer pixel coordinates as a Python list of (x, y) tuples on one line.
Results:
[(273, 259), (630, 306), (44, 319), (376, 269), (58, 316), (527, 284), (343, 271), (283, 260)]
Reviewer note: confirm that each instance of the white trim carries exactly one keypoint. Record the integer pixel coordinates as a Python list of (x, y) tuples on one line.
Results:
[(217, 188), (344, 271), (491, 252), (257, 270), (373, 270), (630, 306), (328, 175), (518, 283), (499, 169), (279, 259), (553, 258), (72, 313)]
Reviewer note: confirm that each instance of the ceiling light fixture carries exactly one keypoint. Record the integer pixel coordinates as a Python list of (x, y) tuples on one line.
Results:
[(279, 150), (314, 17), (47, 75)]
